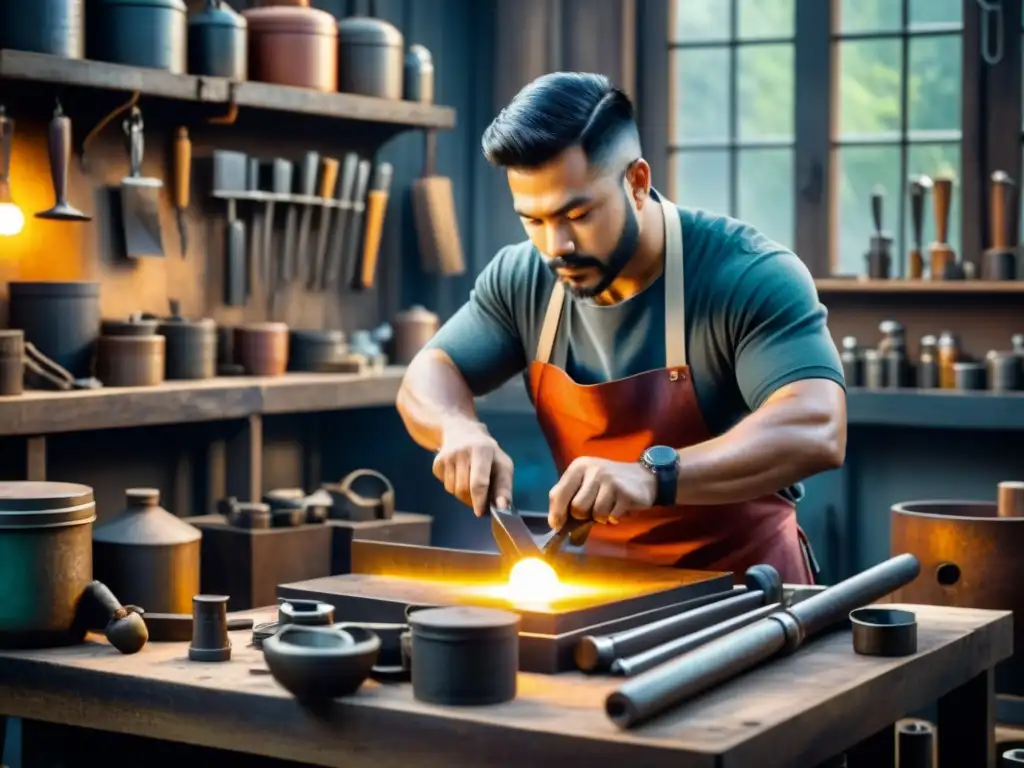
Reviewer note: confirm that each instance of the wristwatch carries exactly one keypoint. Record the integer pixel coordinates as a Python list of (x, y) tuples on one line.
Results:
[(663, 461)]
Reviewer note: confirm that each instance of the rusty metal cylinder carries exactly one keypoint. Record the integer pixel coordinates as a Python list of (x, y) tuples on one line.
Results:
[(970, 558)]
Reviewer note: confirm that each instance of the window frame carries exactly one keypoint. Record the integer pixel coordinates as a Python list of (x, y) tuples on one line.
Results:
[(990, 130)]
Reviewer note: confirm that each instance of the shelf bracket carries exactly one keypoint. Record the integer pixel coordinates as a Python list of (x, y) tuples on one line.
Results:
[(35, 458), (229, 117)]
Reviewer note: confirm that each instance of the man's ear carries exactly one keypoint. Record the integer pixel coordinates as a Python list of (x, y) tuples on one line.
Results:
[(638, 182)]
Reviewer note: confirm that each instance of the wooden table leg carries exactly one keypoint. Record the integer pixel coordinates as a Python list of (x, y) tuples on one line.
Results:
[(967, 723), (878, 751)]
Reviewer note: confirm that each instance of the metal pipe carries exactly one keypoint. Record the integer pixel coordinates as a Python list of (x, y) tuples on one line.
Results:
[(595, 653), (662, 688), (915, 744), (641, 662)]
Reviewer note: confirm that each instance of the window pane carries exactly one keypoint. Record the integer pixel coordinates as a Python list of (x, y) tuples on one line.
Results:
[(702, 180), (703, 20), (860, 169), (934, 87), (869, 87), (936, 12), (870, 15), (701, 94), (765, 90), (936, 160), (766, 18), (766, 192)]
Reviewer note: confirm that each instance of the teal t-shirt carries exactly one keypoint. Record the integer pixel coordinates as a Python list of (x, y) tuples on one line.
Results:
[(753, 322)]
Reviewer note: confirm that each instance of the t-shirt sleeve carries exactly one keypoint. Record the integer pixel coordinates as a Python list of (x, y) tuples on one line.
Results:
[(482, 338), (779, 328)]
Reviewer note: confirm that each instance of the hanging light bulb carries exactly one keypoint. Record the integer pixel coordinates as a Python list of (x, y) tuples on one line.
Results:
[(11, 218)]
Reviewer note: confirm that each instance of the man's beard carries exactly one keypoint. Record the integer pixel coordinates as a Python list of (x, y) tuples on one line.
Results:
[(608, 269)]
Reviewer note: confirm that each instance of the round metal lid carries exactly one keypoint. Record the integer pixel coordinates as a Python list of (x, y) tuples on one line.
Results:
[(69, 289), (363, 30), (291, 18), (319, 337), (463, 622), (175, 5), (28, 504), (217, 13)]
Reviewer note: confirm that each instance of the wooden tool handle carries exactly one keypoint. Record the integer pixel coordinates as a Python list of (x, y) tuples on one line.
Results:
[(376, 207), (942, 199), (328, 176), (182, 168), (999, 213)]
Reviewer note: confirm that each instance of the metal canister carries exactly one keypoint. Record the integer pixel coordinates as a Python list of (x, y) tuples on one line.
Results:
[(62, 320), (131, 361), (874, 370), (970, 558), (262, 348), (419, 75), (218, 42), (413, 329), (190, 349), (928, 363), (316, 350), (969, 376), (1003, 371), (370, 57), (45, 561), (293, 45), (949, 354), (893, 350), (139, 33), (12, 362), (147, 556), (853, 362), (56, 27)]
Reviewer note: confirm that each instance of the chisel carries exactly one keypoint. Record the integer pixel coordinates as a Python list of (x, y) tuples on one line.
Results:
[(332, 267), (307, 187), (328, 184)]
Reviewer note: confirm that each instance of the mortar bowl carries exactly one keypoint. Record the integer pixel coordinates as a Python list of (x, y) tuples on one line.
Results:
[(317, 664)]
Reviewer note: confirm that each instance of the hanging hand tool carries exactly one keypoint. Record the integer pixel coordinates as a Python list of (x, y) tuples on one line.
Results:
[(307, 188), (354, 230), (229, 179), (328, 185), (182, 184), (256, 214), (140, 197), (59, 143), (376, 209), (332, 266)]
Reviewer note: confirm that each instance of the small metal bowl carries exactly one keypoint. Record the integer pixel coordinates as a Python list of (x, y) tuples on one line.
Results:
[(317, 664), (884, 631)]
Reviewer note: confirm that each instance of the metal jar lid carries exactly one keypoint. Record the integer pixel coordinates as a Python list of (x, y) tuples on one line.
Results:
[(75, 289), (278, 19), (174, 5), (217, 13), (364, 30), (27, 505), (464, 623), (332, 337)]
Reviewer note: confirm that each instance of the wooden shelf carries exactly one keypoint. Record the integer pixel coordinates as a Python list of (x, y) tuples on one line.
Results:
[(99, 75), (865, 286), (179, 402)]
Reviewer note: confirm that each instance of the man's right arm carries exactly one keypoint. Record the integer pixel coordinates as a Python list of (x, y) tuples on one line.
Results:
[(475, 352)]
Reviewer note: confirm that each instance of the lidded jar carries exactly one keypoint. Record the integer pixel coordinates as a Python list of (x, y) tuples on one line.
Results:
[(218, 42), (147, 556), (293, 45)]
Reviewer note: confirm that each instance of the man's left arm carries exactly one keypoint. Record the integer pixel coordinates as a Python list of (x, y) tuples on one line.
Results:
[(790, 376)]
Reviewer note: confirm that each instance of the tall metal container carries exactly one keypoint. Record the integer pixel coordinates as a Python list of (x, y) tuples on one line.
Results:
[(56, 27), (45, 561), (147, 556), (970, 558), (61, 319)]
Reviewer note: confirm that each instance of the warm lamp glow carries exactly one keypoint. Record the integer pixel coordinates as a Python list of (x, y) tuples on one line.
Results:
[(532, 580), (12, 220)]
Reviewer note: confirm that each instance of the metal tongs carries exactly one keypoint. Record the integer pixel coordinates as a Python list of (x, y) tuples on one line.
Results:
[(515, 542)]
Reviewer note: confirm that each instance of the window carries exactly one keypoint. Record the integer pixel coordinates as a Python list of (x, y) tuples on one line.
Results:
[(898, 100), (890, 111), (733, 132)]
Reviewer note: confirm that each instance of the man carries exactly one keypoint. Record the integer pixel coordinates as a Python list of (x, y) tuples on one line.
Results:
[(682, 405)]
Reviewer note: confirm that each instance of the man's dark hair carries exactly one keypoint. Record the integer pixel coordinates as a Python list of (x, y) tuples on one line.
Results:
[(558, 111)]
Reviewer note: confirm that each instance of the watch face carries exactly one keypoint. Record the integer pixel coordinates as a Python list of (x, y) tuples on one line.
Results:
[(659, 456)]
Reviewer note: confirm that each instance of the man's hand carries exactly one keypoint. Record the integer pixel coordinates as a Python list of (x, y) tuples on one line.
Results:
[(600, 489), (472, 466)]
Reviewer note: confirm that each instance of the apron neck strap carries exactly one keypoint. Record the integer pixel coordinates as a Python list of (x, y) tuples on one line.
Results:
[(675, 309)]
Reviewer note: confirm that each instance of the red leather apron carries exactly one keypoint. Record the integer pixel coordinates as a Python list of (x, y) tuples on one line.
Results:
[(619, 419)]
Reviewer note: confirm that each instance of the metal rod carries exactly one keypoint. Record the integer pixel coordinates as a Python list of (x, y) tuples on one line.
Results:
[(641, 662), (597, 652), (648, 695)]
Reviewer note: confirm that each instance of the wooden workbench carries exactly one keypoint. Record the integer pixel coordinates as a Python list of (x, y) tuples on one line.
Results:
[(793, 713)]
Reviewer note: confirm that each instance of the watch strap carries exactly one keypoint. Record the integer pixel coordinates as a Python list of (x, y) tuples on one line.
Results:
[(667, 480)]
